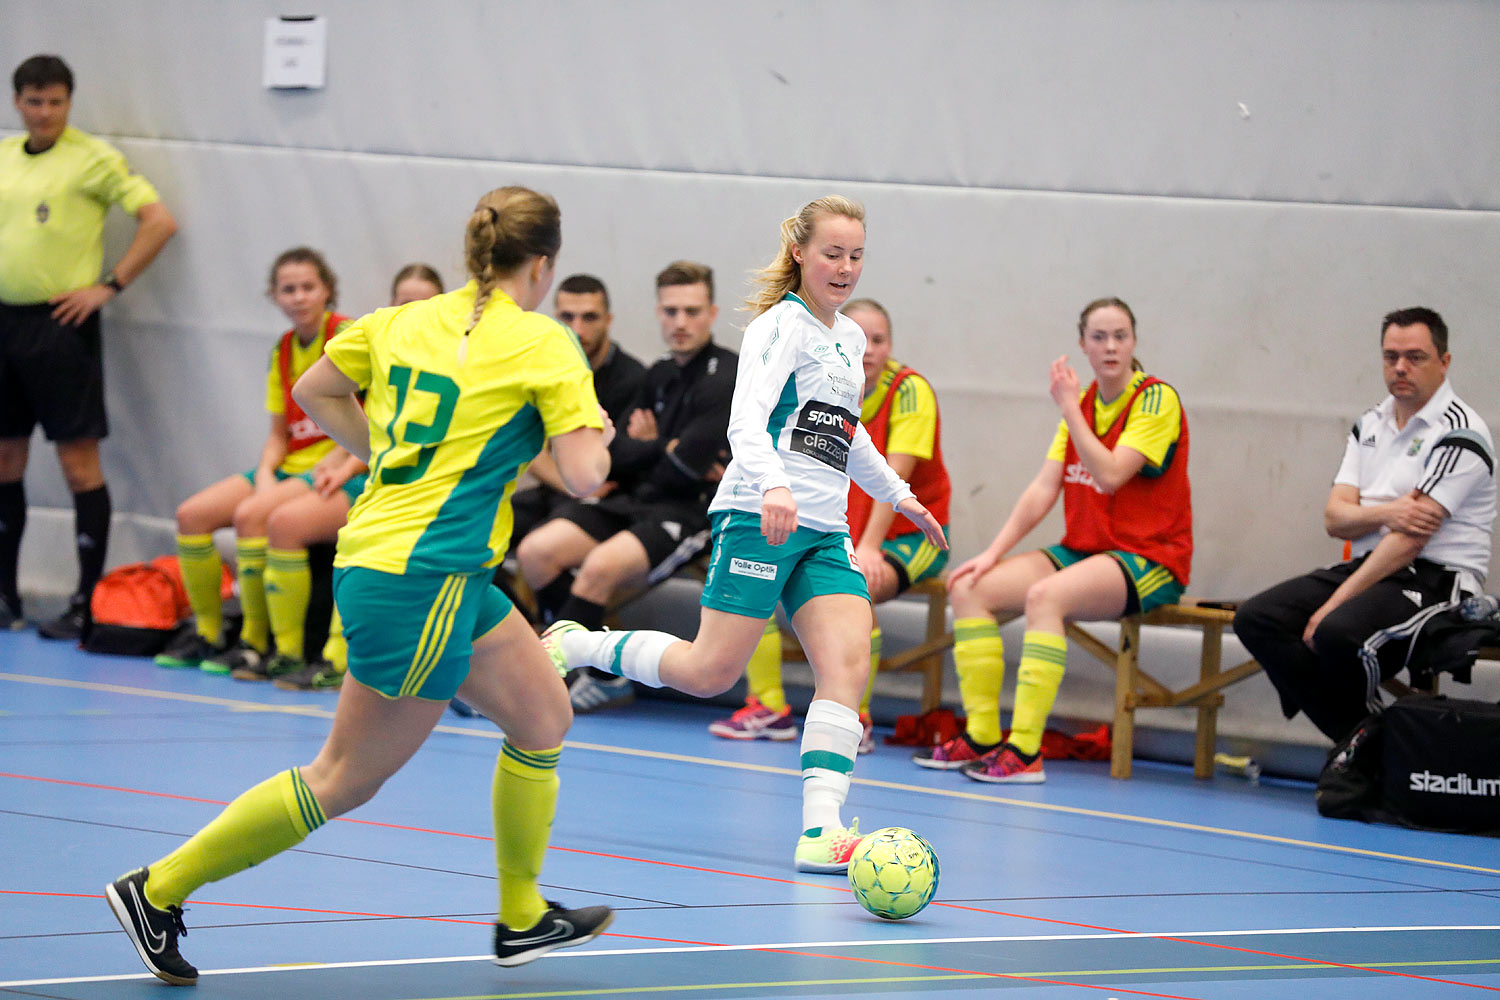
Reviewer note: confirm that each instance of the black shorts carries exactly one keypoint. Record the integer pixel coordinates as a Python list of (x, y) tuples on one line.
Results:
[(673, 534), (50, 374)]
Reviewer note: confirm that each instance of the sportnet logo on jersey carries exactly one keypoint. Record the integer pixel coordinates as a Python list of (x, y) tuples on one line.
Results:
[(1454, 784), (748, 567)]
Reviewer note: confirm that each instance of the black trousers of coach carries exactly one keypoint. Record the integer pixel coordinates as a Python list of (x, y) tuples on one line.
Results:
[(1335, 682)]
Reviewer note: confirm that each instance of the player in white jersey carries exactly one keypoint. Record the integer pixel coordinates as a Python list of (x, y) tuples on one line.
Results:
[(779, 525)]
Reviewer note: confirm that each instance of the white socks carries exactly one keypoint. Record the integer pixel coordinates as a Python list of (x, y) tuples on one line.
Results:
[(635, 653), (830, 740)]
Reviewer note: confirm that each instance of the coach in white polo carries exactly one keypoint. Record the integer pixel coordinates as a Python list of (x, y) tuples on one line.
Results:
[(1415, 497)]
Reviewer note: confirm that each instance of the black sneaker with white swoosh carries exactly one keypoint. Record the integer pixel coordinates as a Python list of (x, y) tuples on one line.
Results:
[(153, 932), (558, 928)]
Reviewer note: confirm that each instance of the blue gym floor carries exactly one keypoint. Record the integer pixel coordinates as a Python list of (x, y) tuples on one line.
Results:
[(1160, 886)]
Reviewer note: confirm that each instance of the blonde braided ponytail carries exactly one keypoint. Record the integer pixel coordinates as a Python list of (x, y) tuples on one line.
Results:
[(508, 226)]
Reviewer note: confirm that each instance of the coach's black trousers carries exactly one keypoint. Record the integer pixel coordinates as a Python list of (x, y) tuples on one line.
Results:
[(1362, 642)]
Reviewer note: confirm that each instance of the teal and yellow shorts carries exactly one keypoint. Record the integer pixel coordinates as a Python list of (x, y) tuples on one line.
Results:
[(1148, 584), (411, 635), (747, 575), (352, 489), (914, 558)]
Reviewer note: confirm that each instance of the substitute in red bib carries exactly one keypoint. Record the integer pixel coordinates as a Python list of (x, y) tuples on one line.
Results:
[(1119, 461)]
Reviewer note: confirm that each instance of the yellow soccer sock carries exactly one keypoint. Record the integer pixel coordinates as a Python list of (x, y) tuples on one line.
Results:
[(251, 555), (763, 672), (288, 586), (202, 575), (336, 650), (1043, 657), (864, 703), (979, 657), (276, 814), (525, 800)]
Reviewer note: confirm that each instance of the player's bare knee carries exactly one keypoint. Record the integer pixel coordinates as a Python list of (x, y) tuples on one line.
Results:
[(538, 563), (249, 520), (597, 579), (713, 675), (191, 520), (1042, 599), (964, 601), (286, 530), (544, 727)]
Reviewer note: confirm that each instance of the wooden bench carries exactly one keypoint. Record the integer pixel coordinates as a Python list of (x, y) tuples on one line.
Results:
[(925, 658), (1136, 688)]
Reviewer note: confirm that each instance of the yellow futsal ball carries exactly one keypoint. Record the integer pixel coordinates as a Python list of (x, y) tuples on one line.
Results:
[(893, 873)]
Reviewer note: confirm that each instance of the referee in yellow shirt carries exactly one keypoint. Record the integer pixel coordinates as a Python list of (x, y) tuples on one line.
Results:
[(56, 186)]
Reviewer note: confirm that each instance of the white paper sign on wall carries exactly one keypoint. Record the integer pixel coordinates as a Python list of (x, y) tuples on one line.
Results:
[(296, 52)]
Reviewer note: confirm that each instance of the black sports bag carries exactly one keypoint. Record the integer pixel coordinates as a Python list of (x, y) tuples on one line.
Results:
[(1441, 764)]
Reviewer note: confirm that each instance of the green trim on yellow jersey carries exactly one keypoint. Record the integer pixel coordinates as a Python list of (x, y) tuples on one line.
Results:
[(451, 430), (1153, 427), (914, 414)]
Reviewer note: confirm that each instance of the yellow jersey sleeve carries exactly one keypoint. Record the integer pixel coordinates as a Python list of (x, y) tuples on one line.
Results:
[(563, 392), (1059, 449), (1154, 424), (914, 417), (275, 397), (350, 351)]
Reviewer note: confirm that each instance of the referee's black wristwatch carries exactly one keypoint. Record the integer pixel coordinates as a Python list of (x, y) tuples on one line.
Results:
[(113, 282)]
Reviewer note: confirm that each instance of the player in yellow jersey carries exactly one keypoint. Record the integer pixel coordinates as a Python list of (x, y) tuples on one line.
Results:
[(296, 459), (462, 391)]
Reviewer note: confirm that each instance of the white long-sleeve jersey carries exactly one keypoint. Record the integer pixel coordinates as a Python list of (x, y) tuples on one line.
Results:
[(794, 421)]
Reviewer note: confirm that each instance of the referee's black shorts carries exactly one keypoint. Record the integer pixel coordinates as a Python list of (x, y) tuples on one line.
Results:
[(50, 374)]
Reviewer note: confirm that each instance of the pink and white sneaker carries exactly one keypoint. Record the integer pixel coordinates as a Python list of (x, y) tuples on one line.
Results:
[(756, 722)]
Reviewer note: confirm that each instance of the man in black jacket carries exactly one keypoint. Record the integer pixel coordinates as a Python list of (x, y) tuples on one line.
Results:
[(667, 458), (582, 304)]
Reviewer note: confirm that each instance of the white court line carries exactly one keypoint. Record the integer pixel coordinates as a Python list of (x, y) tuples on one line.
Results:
[(783, 946)]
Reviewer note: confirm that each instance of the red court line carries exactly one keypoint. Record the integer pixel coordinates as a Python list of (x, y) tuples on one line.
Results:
[(264, 906), (768, 878)]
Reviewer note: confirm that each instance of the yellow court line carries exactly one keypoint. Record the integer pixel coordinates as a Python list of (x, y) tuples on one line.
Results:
[(310, 710), (891, 980)]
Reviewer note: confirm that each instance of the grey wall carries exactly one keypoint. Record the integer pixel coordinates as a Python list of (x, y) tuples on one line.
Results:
[(1260, 180)]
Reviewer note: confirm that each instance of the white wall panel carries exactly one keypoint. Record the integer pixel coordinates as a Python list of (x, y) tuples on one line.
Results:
[(1354, 101)]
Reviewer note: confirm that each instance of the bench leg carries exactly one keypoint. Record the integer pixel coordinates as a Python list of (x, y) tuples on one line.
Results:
[(1123, 741), (1208, 709), (932, 670)]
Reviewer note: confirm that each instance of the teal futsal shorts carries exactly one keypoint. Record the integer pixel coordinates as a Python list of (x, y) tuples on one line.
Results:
[(1149, 583), (411, 635), (352, 489), (747, 575)]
